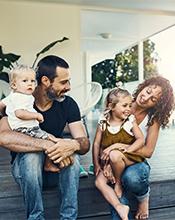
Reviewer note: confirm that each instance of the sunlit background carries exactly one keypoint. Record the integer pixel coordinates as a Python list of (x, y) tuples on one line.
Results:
[(165, 47)]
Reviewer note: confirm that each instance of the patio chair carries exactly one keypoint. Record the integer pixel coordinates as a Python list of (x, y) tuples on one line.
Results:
[(87, 96)]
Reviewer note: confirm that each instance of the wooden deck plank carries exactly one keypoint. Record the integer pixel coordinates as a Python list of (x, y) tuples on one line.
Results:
[(157, 214)]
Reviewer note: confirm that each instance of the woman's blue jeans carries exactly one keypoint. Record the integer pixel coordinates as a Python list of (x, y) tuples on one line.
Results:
[(135, 179), (27, 170)]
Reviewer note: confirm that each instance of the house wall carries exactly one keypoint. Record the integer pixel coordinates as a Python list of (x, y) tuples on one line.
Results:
[(27, 27)]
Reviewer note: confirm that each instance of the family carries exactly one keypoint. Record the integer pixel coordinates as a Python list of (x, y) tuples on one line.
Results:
[(35, 115)]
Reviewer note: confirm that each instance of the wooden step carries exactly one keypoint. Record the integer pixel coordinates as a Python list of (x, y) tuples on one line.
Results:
[(91, 203)]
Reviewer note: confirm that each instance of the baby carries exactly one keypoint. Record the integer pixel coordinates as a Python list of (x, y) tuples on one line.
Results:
[(22, 117)]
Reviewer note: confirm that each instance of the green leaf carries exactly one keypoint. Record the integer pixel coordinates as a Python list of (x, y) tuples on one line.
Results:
[(11, 57), (48, 47), (4, 76), (1, 67), (1, 51), (6, 63)]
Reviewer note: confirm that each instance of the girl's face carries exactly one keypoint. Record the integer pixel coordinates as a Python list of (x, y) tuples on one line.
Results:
[(123, 108), (25, 83), (149, 96)]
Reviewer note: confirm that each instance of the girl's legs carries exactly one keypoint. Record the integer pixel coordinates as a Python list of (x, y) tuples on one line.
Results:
[(118, 162), (110, 196)]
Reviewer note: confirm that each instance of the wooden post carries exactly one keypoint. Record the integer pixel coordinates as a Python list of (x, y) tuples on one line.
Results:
[(140, 61)]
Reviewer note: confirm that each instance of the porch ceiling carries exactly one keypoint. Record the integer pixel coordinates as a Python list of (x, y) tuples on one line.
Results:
[(127, 22)]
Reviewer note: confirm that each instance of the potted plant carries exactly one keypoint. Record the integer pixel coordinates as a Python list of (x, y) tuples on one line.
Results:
[(9, 60)]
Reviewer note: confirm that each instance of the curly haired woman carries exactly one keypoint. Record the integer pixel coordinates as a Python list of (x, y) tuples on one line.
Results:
[(152, 106)]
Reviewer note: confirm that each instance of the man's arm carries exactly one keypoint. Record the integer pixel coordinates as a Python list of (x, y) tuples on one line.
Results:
[(78, 132), (18, 142), (79, 144)]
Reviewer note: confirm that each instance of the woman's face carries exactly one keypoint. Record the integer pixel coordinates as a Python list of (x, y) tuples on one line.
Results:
[(149, 96)]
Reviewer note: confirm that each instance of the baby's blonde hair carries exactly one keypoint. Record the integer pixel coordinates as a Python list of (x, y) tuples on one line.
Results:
[(15, 72)]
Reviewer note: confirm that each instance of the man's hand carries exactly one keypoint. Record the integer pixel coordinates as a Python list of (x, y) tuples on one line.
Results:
[(62, 149), (66, 162)]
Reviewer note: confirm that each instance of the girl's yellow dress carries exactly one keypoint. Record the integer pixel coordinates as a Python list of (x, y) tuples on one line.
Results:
[(122, 136)]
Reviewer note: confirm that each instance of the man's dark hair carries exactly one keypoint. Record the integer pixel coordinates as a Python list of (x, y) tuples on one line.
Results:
[(47, 67)]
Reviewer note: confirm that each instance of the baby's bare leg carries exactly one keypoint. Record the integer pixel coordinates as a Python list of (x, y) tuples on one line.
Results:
[(49, 166)]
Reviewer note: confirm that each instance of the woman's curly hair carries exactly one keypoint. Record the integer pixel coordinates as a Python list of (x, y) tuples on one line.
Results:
[(164, 107)]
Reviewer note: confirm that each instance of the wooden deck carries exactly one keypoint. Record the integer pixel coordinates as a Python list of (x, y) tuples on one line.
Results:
[(91, 204)]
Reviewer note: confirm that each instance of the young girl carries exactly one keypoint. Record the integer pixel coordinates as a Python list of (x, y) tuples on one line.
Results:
[(22, 116), (117, 126)]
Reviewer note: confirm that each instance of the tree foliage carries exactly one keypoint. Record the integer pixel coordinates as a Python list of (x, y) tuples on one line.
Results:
[(127, 62), (104, 73), (150, 59), (124, 67)]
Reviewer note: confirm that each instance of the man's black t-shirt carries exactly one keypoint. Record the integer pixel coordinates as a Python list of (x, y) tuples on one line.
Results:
[(57, 116)]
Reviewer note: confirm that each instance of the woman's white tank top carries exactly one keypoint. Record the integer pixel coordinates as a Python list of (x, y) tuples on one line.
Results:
[(143, 126)]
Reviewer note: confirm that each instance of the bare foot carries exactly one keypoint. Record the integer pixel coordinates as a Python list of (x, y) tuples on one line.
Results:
[(143, 209), (123, 211), (118, 189), (51, 168)]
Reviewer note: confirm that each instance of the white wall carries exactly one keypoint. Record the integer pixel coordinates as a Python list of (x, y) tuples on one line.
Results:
[(27, 27)]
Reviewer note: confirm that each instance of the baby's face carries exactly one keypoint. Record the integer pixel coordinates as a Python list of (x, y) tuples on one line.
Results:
[(25, 83)]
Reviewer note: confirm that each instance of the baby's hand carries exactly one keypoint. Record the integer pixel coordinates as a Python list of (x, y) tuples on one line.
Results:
[(39, 118)]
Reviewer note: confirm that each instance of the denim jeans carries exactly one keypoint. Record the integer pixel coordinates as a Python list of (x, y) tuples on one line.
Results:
[(27, 170), (134, 180)]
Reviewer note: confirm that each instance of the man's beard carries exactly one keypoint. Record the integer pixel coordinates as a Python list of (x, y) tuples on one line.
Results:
[(53, 96)]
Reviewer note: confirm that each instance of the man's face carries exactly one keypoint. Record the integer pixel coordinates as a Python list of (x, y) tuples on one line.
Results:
[(60, 84)]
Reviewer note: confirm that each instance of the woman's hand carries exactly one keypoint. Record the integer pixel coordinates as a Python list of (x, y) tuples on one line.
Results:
[(106, 152), (122, 148), (62, 149)]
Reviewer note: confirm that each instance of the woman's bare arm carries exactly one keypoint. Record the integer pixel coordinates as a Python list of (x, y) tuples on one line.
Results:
[(150, 143), (139, 138)]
